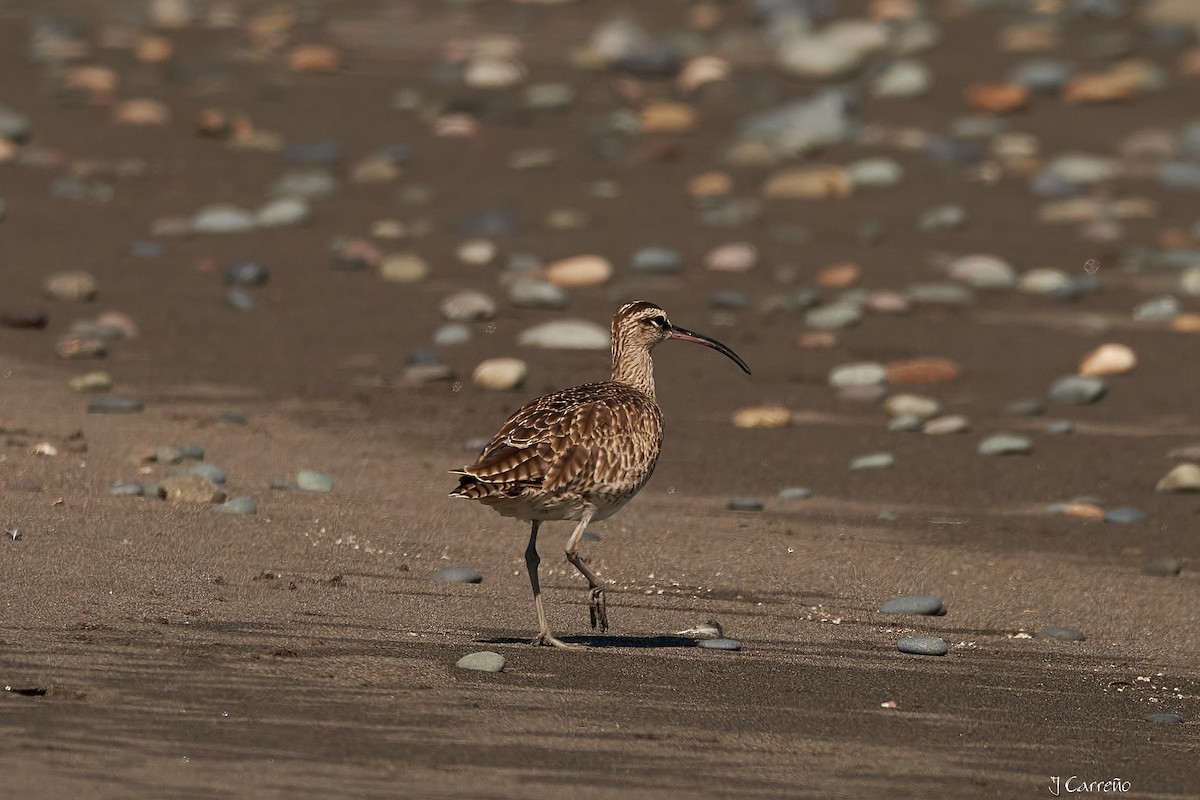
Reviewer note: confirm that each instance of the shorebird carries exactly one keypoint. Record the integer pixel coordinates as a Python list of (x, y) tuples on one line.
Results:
[(582, 453)]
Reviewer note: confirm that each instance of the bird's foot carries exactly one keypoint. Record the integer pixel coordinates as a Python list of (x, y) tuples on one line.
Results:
[(545, 638), (598, 608)]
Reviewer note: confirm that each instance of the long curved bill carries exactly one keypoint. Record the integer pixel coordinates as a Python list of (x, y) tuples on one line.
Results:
[(683, 334)]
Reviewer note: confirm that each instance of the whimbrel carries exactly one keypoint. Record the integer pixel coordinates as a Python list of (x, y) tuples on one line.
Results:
[(582, 453)]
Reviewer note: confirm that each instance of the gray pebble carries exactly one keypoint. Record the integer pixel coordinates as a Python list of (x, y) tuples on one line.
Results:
[(1163, 567), (1125, 515), (282, 484), (483, 661), (239, 299), (940, 294), (1043, 75), (873, 461), (1003, 444), (745, 504), (1060, 426), (719, 644), (530, 293), (923, 645), (948, 216), (452, 334), (210, 471), (311, 480), (14, 125), (1180, 175), (320, 152), (1164, 717), (127, 489), (307, 183), (237, 505), (246, 273), (1060, 633), (1157, 309), (922, 604), (906, 423), (456, 575), (139, 249), (795, 493), (222, 219), (112, 404), (657, 260), (284, 212), (191, 451), (1078, 390), (489, 222), (1031, 407), (834, 316)]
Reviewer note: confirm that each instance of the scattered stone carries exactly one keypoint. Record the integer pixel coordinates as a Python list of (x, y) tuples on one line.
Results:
[(1078, 390), (237, 505), (732, 257), (1003, 444), (456, 575), (284, 212), (864, 373), (835, 316), (92, 382), (1060, 633), (1078, 509), (1124, 515), (483, 661), (1183, 477), (223, 219), (190, 489), (903, 78), (923, 646), (809, 183), (1164, 717), (795, 493), (875, 172), (745, 504), (1048, 282), (71, 286), (1108, 359), (947, 216), (310, 480), (240, 299), (921, 604), (567, 334), (1060, 427), (762, 417), (940, 294), (500, 374), (916, 405), (656, 260), (873, 461), (579, 271), (210, 472), (905, 423), (1163, 567), (719, 644), (127, 489), (1157, 309), (477, 252), (469, 306), (315, 58), (942, 426), (922, 371), (983, 272), (111, 404), (403, 268)]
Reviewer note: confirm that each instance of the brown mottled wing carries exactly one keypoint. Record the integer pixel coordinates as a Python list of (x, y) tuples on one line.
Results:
[(546, 444)]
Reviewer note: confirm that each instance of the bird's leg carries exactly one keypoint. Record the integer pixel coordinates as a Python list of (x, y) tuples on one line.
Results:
[(531, 563), (596, 603)]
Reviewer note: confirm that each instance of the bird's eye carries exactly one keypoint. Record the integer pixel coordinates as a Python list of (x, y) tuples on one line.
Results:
[(659, 322)]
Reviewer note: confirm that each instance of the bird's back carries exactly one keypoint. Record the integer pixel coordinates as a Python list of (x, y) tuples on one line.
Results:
[(592, 444)]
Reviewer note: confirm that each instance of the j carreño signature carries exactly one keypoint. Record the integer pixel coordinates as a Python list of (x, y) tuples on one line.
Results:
[(1077, 785)]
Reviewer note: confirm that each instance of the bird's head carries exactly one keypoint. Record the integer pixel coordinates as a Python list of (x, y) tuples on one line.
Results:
[(644, 324)]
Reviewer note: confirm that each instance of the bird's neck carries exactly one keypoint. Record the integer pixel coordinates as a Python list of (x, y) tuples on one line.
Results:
[(632, 366)]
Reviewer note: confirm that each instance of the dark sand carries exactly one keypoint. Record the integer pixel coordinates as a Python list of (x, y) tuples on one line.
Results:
[(166, 651)]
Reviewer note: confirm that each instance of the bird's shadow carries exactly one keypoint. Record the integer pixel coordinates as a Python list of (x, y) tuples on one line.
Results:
[(643, 642)]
